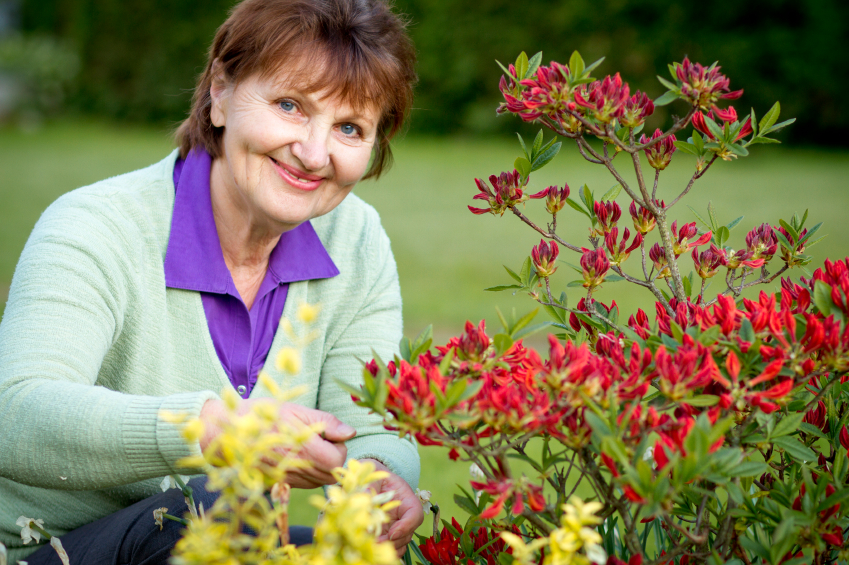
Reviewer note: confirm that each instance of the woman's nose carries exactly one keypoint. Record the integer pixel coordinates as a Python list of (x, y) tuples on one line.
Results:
[(312, 150)]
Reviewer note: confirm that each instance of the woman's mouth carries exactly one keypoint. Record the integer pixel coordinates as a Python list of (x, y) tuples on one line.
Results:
[(295, 177)]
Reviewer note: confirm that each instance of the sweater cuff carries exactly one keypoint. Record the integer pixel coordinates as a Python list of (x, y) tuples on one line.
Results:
[(153, 446), (399, 455)]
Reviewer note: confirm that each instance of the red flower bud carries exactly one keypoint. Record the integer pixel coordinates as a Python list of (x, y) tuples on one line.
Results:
[(708, 261), (844, 438), (607, 214), (555, 199), (644, 220), (543, 256), (595, 266), (703, 86), (507, 193), (606, 99), (636, 109), (660, 154)]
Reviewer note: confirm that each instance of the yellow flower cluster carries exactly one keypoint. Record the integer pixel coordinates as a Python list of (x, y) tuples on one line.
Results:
[(353, 517), (250, 457), (575, 542)]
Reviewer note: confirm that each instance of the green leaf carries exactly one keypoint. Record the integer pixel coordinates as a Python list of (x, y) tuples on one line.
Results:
[(525, 273), (714, 129), (406, 349), (522, 65), (524, 149), (537, 144), (698, 141), (688, 285), (512, 273), (503, 287), (714, 224), (466, 504), (587, 197), (787, 425), (613, 278), (731, 225), (763, 140), (835, 498), (770, 117), (612, 193), (503, 68), (749, 469), (813, 430), (808, 235), (822, 297), (698, 217), (545, 156), (576, 65), (592, 66), (747, 331), (523, 166), (795, 449), (666, 98), (789, 229), (686, 147), (573, 284), (722, 235), (667, 84), (709, 336), (702, 400), (523, 321), (810, 244), (737, 149), (780, 126), (532, 329), (502, 342), (781, 239), (577, 207), (754, 122), (534, 63)]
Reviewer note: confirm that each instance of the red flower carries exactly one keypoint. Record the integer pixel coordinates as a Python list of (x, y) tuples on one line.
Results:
[(703, 86), (605, 99), (844, 438), (683, 236), (544, 256), (618, 252), (707, 262), (507, 193), (595, 266), (644, 220), (660, 154), (446, 550), (658, 257), (817, 417), (607, 214), (636, 109), (555, 199)]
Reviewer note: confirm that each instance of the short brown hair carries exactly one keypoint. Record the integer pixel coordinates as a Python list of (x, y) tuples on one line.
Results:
[(361, 46)]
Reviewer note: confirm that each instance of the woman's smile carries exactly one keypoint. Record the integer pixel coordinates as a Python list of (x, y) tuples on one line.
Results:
[(295, 177)]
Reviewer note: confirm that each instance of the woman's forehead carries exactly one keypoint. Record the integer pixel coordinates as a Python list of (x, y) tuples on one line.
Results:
[(325, 78)]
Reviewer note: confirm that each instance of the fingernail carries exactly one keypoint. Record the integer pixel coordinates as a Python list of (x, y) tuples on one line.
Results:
[(345, 430)]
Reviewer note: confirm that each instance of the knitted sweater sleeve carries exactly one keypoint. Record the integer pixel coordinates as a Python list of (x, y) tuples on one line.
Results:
[(71, 290), (375, 328)]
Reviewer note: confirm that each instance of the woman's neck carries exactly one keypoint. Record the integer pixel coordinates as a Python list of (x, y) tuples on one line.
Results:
[(246, 241)]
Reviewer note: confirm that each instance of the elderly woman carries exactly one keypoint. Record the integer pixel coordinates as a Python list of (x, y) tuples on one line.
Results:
[(156, 289)]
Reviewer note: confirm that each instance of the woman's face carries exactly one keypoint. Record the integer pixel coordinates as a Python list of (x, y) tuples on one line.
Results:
[(288, 156)]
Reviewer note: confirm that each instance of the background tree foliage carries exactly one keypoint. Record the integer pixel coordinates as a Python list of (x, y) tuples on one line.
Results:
[(140, 57)]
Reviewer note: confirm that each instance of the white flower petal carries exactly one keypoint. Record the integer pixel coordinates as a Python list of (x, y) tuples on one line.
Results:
[(57, 545)]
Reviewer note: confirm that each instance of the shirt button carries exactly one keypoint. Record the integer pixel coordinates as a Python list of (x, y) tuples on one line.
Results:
[(241, 389)]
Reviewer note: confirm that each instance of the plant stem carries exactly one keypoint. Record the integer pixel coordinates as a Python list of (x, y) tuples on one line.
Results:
[(549, 235)]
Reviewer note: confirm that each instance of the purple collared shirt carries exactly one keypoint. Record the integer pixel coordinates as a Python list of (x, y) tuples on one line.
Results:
[(194, 261)]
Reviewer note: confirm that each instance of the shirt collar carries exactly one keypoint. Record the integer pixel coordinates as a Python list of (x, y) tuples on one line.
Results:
[(193, 259)]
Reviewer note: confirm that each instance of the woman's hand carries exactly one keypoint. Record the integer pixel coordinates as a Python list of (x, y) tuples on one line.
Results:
[(405, 518), (324, 453)]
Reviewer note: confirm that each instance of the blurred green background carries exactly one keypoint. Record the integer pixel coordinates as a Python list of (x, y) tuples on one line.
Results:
[(92, 88)]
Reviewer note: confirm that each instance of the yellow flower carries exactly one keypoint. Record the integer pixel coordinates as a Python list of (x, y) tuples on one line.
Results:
[(289, 360), (307, 313)]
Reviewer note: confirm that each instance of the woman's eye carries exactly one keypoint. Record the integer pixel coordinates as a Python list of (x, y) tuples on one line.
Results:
[(349, 129), (287, 106)]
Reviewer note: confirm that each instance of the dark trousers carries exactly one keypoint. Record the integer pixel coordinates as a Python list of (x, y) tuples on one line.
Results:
[(130, 536)]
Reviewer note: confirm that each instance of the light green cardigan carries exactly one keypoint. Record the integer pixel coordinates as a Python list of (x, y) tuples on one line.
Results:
[(93, 346)]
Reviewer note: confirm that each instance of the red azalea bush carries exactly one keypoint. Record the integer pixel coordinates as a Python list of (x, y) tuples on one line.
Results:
[(714, 433)]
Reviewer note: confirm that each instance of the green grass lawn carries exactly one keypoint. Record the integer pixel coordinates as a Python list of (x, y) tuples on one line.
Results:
[(447, 256)]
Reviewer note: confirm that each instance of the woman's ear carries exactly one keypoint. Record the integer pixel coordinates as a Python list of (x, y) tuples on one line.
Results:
[(218, 95)]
